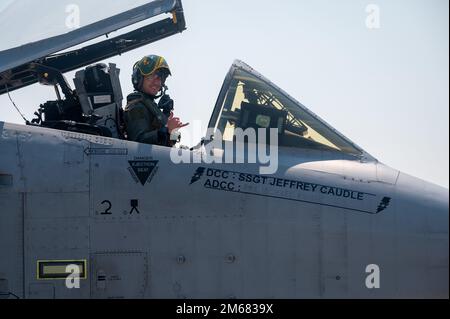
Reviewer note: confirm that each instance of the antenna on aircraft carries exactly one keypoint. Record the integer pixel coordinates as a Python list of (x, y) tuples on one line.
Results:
[(14, 104)]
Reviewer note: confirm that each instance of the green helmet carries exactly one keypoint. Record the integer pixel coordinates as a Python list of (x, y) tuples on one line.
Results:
[(148, 65)]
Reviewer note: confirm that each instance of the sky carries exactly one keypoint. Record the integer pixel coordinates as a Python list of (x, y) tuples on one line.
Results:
[(379, 76)]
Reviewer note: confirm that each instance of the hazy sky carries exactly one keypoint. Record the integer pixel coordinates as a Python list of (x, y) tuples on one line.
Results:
[(386, 88)]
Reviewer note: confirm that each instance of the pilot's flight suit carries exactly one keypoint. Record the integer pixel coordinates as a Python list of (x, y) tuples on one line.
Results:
[(144, 121)]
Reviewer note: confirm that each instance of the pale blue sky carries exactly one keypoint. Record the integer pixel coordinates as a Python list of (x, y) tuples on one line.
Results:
[(385, 89)]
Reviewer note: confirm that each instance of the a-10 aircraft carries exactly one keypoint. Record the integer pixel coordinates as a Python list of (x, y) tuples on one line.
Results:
[(330, 221)]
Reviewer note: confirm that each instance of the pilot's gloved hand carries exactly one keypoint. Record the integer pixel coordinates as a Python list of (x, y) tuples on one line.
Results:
[(174, 123)]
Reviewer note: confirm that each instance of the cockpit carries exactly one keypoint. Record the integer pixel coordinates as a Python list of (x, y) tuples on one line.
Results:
[(53, 48)]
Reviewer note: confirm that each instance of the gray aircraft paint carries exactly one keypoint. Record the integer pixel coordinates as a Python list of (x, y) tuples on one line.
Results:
[(192, 231), (188, 241)]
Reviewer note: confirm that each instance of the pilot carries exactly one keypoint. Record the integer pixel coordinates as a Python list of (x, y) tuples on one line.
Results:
[(144, 121)]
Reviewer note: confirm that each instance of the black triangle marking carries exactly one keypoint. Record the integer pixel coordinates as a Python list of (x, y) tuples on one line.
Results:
[(143, 169)]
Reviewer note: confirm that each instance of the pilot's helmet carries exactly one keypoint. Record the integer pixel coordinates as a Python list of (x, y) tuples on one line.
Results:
[(147, 66)]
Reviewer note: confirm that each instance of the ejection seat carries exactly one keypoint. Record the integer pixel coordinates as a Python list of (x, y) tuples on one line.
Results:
[(95, 107), (100, 95)]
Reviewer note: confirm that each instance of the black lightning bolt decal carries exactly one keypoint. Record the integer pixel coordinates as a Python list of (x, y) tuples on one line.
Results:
[(384, 204), (198, 174)]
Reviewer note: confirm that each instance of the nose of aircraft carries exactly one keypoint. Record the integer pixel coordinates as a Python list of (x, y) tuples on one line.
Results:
[(426, 200), (422, 218)]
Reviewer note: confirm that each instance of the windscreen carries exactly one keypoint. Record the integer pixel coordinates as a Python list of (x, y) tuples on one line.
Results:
[(251, 102)]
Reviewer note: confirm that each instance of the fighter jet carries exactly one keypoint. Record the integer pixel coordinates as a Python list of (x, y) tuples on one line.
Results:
[(272, 203)]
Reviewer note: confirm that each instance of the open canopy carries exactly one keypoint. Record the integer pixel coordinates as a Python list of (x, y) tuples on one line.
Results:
[(39, 30)]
